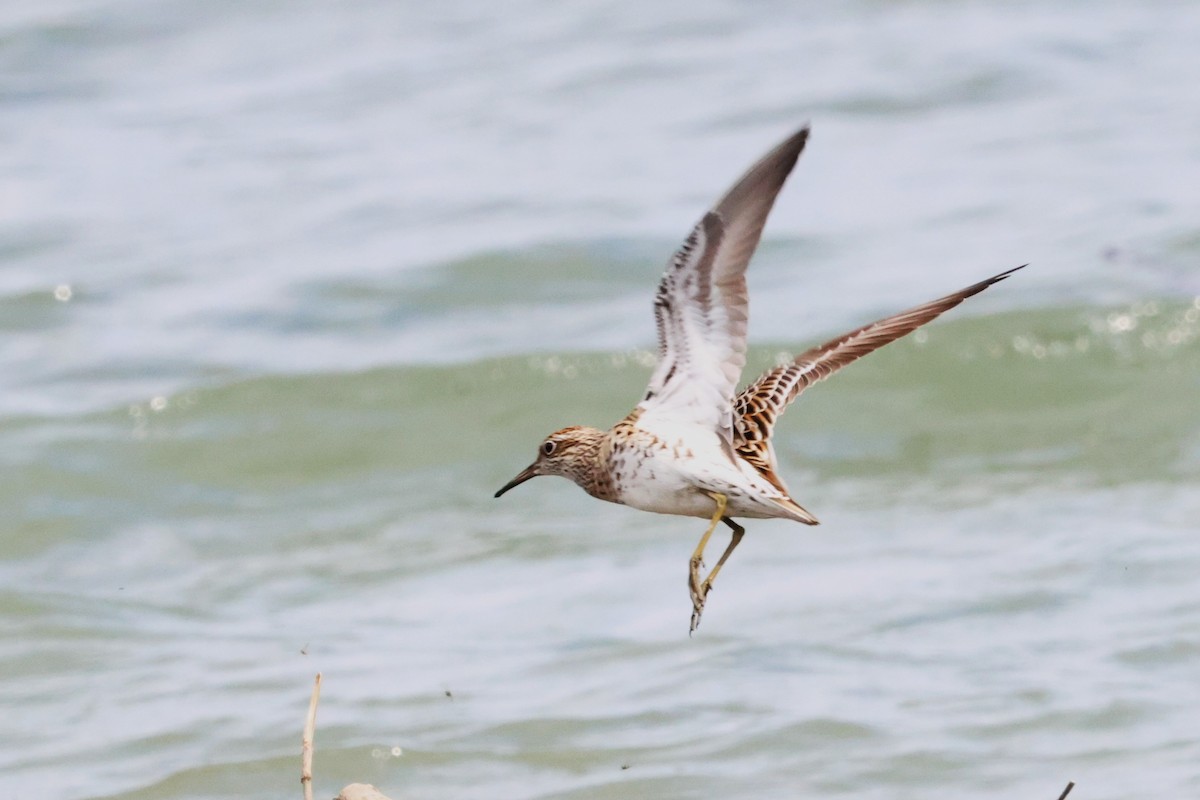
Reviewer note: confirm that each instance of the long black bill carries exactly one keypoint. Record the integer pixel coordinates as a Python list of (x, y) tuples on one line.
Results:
[(529, 472)]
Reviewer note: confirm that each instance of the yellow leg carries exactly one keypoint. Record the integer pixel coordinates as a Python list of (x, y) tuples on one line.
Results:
[(694, 586), (698, 556), (738, 532)]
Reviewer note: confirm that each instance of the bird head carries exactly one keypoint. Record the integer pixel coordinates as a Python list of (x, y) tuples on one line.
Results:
[(570, 452)]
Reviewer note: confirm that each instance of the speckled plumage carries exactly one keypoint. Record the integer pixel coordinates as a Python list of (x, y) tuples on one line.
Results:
[(694, 446)]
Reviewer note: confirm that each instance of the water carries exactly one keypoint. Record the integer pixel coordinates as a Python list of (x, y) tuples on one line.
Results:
[(288, 290)]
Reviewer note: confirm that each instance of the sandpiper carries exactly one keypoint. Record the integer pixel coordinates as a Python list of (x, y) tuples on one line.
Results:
[(694, 446)]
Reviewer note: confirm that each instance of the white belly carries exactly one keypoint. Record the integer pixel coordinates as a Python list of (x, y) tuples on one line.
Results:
[(675, 472)]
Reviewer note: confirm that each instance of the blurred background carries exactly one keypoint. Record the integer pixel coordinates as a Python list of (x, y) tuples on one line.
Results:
[(288, 290)]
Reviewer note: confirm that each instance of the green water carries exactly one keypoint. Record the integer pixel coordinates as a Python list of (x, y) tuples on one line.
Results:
[(287, 291), (1004, 502)]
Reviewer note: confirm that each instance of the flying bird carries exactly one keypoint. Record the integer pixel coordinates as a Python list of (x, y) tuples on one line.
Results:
[(695, 446)]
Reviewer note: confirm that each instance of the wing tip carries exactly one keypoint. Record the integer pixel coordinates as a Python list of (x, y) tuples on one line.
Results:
[(976, 288), (756, 190), (804, 131), (1006, 273), (793, 146)]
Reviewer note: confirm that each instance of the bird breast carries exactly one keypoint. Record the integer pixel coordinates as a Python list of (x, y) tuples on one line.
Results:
[(665, 472)]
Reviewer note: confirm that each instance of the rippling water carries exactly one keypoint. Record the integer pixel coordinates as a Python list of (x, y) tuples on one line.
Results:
[(288, 290)]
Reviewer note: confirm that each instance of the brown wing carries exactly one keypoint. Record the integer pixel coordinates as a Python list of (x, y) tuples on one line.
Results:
[(759, 405), (701, 305)]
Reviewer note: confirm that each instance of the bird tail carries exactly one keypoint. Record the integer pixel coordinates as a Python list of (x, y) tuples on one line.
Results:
[(795, 510)]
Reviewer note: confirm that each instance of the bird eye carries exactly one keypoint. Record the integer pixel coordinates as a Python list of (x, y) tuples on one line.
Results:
[(547, 447)]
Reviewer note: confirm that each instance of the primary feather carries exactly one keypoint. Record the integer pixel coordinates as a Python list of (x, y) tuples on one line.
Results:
[(701, 307), (759, 406)]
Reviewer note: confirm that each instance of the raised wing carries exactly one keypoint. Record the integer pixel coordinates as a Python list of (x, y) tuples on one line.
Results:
[(701, 307), (760, 404)]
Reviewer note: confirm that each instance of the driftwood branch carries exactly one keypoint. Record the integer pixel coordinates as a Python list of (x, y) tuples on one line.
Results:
[(306, 741), (355, 791)]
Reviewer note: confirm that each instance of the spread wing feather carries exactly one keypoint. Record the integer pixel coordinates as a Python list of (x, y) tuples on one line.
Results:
[(701, 307), (759, 406)]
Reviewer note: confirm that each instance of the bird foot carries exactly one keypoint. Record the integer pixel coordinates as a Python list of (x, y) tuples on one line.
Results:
[(699, 596)]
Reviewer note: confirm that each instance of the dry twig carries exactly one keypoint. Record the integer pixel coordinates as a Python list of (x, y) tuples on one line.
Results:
[(306, 742), (355, 791), (1067, 791)]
